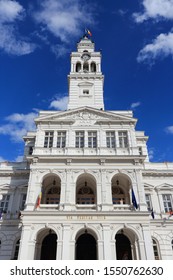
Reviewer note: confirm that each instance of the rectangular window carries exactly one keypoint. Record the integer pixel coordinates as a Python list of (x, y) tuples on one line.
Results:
[(123, 139), (167, 202), (148, 201), (48, 140), (22, 201), (92, 139), (4, 203), (110, 139), (79, 139), (61, 139), (86, 91)]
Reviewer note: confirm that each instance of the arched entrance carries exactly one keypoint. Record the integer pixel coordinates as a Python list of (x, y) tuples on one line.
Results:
[(86, 247), (48, 247), (123, 247)]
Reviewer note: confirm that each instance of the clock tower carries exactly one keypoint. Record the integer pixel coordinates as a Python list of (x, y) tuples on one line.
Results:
[(85, 78)]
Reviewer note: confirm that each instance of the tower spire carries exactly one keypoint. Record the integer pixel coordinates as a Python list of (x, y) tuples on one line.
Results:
[(85, 78)]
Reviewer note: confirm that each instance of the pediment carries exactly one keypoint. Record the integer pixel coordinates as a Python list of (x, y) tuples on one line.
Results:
[(165, 187), (84, 114), (85, 84)]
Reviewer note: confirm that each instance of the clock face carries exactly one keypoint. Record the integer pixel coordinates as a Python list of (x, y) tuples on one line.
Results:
[(85, 57)]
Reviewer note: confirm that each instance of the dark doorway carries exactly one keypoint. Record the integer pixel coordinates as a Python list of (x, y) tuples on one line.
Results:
[(123, 247), (48, 248), (86, 248)]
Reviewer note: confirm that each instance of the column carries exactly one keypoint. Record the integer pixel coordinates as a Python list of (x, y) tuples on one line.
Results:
[(106, 242), (100, 250), (147, 243), (113, 250), (24, 253), (68, 201), (66, 242), (59, 250), (140, 190)]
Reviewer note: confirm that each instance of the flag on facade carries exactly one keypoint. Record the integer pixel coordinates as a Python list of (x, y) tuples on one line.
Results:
[(39, 199), (134, 200), (88, 32), (152, 213)]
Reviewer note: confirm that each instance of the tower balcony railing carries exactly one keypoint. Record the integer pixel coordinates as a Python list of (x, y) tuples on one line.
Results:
[(85, 151)]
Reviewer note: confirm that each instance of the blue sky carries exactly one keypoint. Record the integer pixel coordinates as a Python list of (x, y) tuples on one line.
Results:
[(136, 39)]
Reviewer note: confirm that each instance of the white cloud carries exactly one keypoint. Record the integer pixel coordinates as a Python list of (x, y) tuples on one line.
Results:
[(169, 129), (59, 50), (155, 9), (60, 103), (19, 158), (18, 125), (161, 46), (2, 159), (135, 104), (10, 12), (64, 18), (151, 153), (11, 44)]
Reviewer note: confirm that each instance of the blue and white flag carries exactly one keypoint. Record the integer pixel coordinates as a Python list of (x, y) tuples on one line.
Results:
[(134, 200)]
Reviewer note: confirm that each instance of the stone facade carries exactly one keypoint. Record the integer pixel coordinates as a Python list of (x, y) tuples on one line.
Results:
[(81, 170)]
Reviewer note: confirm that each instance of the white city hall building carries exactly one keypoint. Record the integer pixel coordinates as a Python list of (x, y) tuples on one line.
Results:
[(73, 196)]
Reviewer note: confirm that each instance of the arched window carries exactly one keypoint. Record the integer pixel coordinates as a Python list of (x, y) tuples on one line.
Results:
[(53, 196), (78, 67), (51, 190), (93, 67), (155, 249), (85, 195), (16, 251), (118, 196), (85, 67)]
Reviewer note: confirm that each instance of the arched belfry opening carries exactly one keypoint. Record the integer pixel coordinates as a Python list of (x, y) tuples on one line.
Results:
[(78, 67), (51, 190), (46, 245), (120, 189), (86, 246), (126, 245), (93, 67), (86, 190)]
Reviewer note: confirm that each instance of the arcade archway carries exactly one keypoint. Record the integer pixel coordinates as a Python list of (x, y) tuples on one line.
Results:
[(86, 247)]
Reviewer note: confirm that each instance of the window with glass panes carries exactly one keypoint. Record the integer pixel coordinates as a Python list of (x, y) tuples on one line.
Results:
[(155, 249), (22, 201), (148, 201), (123, 139), (79, 139), (92, 139), (110, 139), (167, 202), (85, 195), (48, 140), (16, 252), (61, 139), (4, 203)]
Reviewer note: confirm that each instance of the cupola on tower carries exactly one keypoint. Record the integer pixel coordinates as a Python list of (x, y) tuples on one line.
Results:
[(85, 78)]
